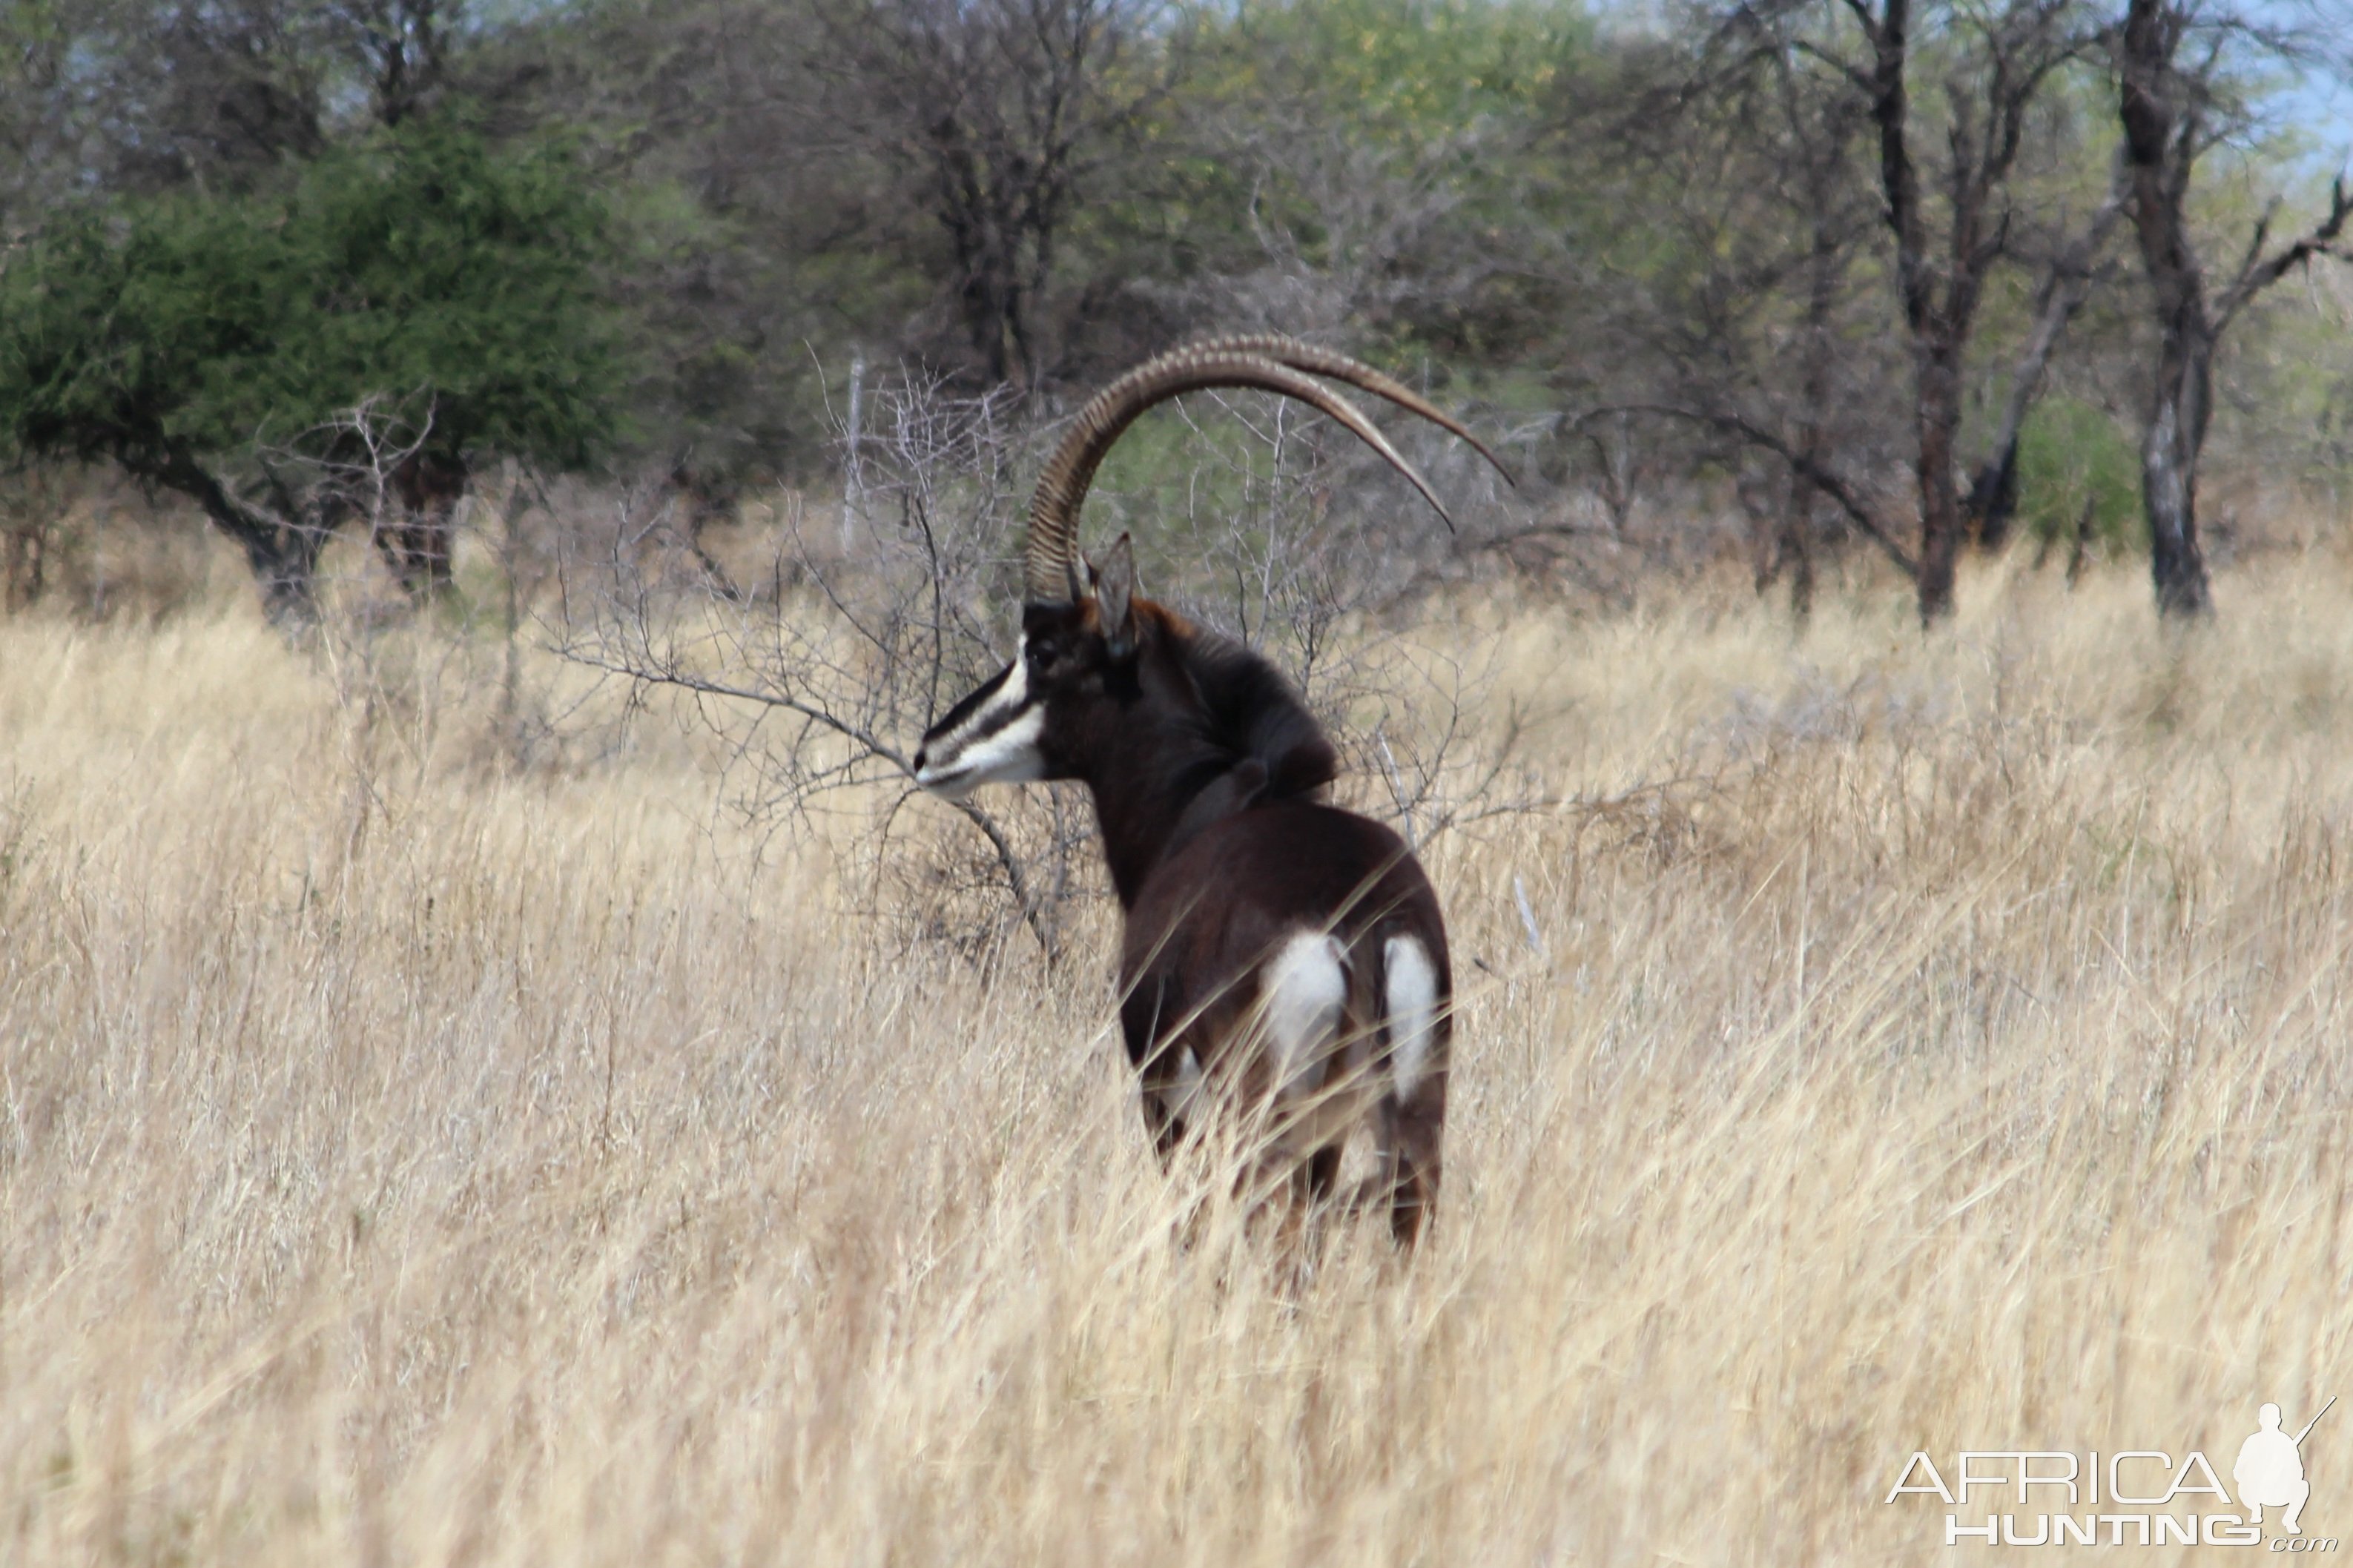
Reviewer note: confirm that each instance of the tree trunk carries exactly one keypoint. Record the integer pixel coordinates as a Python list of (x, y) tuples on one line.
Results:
[(1940, 299), (1826, 269), (283, 555), (1992, 501), (2169, 474), (2162, 149), (1935, 339), (1798, 546), (1993, 496), (1937, 421), (2162, 111)]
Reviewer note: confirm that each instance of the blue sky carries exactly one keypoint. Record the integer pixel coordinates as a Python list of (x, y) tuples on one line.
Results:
[(2322, 106)]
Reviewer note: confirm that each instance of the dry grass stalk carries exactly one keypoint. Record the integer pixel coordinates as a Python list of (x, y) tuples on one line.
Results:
[(1946, 1048)]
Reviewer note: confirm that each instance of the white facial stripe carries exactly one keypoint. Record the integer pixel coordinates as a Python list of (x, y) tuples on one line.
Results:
[(1412, 1007), (1008, 756), (996, 743), (1015, 690)]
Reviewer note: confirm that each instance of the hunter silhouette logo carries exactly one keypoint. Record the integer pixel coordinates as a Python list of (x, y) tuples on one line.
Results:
[(2270, 1471), (2156, 1501)]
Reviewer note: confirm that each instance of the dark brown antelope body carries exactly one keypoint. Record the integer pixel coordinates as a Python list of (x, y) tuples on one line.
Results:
[(1280, 957), (1331, 891)]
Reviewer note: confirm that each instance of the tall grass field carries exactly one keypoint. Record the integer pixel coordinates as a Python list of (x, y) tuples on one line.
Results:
[(1869, 1044)]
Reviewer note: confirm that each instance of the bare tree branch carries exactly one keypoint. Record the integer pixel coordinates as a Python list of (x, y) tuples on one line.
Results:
[(1829, 480)]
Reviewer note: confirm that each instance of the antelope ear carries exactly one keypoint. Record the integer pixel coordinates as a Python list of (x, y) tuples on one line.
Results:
[(1114, 586)]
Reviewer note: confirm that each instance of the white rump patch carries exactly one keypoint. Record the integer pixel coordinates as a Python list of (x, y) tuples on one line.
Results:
[(1412, 1007), (1184, 1102), (1304, 993)]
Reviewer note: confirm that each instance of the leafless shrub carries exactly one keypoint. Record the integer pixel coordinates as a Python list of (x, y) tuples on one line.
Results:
[(405, 648), (816, 686), (345, 468)]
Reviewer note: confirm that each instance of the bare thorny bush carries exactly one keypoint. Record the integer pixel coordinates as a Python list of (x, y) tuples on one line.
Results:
[(397, 673), (868, 618)]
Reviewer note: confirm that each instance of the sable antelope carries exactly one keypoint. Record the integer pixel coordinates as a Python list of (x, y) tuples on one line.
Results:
[(1277, 950)]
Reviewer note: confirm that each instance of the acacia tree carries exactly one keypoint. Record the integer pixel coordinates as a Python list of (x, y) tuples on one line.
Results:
[(219, 94), (1911, 122), (1000, 114), (195, 343), (1995, 62), (2173, 114), (1749, 308), (1364, 166), (224, 93)]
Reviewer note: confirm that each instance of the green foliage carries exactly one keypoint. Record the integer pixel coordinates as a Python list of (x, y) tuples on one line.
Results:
[(139, 334), (1382, 143), (2072, 455), (465, 279), (1408, 72), (421, 267), (1548, 205)]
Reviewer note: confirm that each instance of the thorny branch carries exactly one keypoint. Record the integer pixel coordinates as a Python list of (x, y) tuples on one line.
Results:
[(1269, 532)]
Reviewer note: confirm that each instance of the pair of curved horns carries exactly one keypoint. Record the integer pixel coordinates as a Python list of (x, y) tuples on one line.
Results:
[(1264, 361)]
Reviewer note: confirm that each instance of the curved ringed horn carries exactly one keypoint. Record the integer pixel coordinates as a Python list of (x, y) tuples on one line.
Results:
[(1050, 564), (1291, 351)]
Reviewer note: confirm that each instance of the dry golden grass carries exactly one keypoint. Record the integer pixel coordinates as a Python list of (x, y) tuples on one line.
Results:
[(402, 1162)]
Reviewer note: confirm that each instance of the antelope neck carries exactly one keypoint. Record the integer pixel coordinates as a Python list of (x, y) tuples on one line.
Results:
[(1157, 781)]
